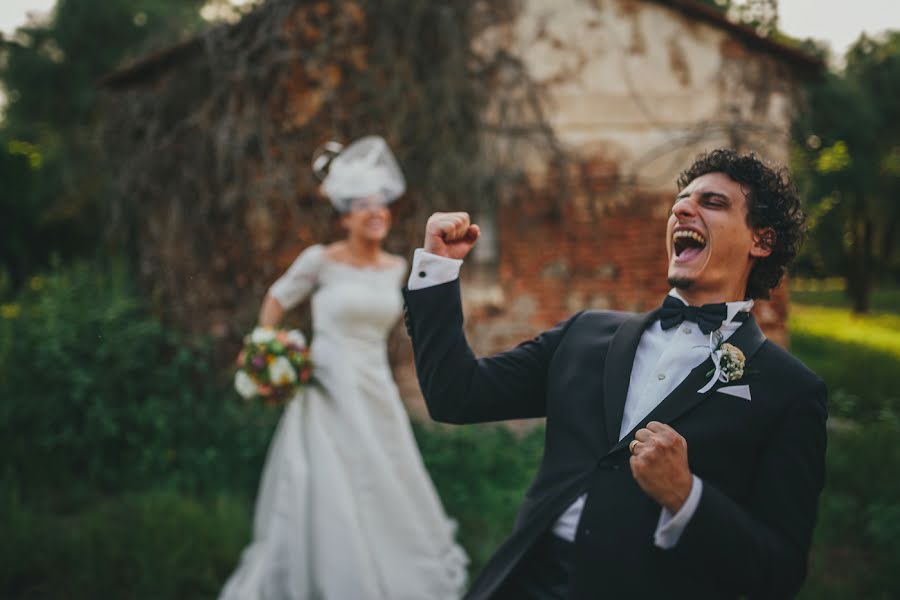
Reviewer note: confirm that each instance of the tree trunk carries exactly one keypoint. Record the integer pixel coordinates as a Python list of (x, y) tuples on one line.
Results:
[(887, 243), (859, 277)]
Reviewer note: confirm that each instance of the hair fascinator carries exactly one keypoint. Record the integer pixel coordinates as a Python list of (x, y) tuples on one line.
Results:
[(363, 169)]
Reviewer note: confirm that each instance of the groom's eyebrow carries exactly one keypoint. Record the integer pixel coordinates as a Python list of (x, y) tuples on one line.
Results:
[(704, 195)]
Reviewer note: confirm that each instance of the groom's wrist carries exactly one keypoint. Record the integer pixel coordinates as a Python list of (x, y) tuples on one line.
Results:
[(431, 269), (679, 495)]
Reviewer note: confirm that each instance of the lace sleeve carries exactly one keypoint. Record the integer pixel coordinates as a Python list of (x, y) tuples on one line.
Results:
[(300, 279)]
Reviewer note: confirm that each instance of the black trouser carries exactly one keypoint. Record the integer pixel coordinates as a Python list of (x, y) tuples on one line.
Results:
[(542, 574)]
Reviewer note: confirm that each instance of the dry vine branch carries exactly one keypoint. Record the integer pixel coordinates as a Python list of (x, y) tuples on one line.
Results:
[(210, 156)]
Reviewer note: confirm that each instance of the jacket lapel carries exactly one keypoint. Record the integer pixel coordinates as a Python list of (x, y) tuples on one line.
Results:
[(617, 372), (749, 338)]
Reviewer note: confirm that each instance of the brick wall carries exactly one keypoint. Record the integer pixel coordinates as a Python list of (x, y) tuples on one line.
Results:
[(590, 253)]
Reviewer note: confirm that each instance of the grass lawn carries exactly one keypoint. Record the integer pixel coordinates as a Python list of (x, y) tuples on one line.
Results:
[(856, 547), (858, 356)]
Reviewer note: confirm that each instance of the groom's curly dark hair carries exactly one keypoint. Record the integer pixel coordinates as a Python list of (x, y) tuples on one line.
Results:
[(772, 202)]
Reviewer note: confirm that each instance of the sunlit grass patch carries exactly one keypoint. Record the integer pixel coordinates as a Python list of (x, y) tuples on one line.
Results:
[(858, 357), (878, 331)]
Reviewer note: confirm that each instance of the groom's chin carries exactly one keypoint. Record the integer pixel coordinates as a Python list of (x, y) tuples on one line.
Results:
[(681, 283)]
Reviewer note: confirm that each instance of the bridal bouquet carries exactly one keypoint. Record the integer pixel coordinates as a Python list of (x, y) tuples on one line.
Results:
[(273, 365)]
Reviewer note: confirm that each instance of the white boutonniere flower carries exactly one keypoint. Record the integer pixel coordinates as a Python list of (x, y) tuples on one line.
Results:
[(732, 362), (728, 362)]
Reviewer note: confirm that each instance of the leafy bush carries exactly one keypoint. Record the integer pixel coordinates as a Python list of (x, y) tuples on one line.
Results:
[(99, 394), (481, 473), (855, 548), (855, 552), (154, 545)]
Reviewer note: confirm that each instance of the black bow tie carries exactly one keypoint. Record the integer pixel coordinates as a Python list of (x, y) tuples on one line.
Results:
[(708, 317)]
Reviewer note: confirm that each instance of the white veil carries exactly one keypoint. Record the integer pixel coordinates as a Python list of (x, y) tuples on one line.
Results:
[(364, 168)]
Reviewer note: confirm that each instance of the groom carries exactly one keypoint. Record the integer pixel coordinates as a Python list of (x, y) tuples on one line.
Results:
[(684, 453)]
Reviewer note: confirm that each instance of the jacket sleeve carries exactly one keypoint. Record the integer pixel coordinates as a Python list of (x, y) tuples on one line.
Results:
[(460, 388), (760, 550)]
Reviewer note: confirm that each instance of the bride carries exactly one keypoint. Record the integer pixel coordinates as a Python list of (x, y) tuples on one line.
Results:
[(346, 509)]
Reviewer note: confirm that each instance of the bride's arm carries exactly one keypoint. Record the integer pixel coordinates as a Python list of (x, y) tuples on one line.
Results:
[(292, 288), (271, 312)]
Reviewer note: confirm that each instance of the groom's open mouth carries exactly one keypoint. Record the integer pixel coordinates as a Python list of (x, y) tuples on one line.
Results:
[(687, 244)]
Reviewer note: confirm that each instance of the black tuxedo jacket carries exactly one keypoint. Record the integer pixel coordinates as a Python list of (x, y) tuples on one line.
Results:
[(761, 461)]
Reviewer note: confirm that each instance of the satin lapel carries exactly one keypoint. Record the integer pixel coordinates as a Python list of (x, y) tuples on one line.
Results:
[(617, 372), (749, 338)]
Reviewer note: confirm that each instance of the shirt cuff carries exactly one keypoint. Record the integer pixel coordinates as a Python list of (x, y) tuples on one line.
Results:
[(670, 527), (430, 269)]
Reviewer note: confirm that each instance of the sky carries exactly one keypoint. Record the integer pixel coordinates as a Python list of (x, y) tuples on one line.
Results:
[(838, 22)]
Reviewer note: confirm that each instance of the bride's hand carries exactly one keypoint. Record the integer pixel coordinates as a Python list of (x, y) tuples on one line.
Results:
[(450, 234)]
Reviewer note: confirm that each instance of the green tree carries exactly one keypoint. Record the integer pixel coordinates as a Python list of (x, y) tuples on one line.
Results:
[(52, 188), (847, 163)]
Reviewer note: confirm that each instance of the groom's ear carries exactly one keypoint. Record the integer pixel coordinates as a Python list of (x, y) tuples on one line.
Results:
[(763, 242)]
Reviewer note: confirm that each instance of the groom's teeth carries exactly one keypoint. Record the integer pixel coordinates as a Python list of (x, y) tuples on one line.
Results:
[(690, 234)]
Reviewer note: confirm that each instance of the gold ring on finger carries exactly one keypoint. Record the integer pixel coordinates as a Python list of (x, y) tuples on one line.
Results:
[(631, 445)]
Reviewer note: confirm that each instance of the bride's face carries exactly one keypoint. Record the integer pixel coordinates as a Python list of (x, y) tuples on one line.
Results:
[(368, 219)]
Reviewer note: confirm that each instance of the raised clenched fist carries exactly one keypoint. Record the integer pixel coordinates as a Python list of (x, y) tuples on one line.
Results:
[(450, 234)]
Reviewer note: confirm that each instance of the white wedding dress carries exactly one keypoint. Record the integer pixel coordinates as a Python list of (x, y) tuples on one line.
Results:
[(346, 509)]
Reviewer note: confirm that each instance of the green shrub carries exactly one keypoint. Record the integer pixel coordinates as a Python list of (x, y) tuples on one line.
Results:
[(154, 545), (481, 473), (855, 550), (99, 394)]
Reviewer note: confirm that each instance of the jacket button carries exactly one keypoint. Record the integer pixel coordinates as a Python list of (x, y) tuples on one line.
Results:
[(587, 532)]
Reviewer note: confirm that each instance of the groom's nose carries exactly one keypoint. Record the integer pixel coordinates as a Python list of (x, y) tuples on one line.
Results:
[(685, 207)]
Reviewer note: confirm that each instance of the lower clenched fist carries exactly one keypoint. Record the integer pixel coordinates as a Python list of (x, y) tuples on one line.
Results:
[(659, 464), (450, 234)]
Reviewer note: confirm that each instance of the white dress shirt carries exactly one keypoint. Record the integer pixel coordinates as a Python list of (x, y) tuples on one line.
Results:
[(664, 358)]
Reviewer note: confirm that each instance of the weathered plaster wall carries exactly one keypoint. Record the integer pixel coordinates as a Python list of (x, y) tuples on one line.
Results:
[(635, 90)]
